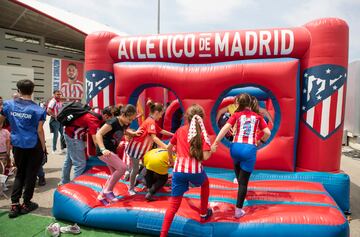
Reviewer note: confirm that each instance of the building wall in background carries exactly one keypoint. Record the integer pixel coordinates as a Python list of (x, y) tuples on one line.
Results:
[(352, 108), (9, 77), (22, 56)]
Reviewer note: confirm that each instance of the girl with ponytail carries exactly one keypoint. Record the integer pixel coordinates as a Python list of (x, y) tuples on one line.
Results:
[(192, 147), (138, 146), (243, 148)]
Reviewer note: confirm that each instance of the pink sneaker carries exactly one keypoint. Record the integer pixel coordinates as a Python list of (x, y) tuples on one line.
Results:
[(102, 199), (239, 213), (111, 197)]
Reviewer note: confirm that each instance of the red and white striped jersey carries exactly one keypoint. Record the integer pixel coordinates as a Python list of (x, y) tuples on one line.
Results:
[(55, 106), (184, 163), (74, 90), (247, 124), (79, 127), (138, 146), (124, 156)]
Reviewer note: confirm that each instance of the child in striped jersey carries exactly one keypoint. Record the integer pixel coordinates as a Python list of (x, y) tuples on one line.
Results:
[(243, 149), (192, 147), (138, 146)]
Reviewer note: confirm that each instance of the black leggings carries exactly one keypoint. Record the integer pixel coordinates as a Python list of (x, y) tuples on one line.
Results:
[(242, 177), (155, 181)]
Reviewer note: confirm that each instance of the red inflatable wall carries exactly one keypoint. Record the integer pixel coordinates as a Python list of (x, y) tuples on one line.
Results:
[(206, 84)]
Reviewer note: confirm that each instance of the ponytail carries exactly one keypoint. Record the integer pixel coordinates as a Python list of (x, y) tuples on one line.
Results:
[(243, 101), (196, 132), (154, 106), (254, 105), (196, 144)]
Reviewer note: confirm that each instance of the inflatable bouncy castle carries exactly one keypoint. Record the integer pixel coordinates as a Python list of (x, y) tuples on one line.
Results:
[(297, 189)]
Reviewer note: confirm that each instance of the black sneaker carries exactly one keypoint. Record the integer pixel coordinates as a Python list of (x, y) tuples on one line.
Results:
[(207, 215), (14, 210), (28, 207), (42, 181), (150, 198)]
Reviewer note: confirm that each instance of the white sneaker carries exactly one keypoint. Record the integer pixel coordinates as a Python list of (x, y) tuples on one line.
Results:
[(126, 175), (239, 212), (53, 230), (72, 229), (53, 153), (132, 192)]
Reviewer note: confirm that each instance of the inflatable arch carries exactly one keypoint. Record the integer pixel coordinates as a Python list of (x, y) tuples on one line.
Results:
[(303, 71)]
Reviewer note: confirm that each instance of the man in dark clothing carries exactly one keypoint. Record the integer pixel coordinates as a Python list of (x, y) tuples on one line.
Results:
[(26, 120)]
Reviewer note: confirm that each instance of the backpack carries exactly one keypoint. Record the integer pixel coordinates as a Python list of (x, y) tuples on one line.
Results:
[(72, 111)]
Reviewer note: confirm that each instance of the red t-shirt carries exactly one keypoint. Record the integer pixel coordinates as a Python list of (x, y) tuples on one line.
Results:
[(184, 162), (247, 125), (138, 146), (86, 123)]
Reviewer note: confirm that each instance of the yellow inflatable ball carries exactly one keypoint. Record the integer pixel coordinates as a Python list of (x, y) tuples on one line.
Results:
[(157, 160)]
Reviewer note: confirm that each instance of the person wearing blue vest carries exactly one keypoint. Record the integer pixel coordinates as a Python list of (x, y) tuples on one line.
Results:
[(26, 120)]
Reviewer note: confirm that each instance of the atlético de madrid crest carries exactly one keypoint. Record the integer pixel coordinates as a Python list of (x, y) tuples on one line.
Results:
[(322, 107)]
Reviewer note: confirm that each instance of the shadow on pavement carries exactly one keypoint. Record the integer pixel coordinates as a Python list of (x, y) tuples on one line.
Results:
[(354, 201), (51, 183), (51, 170)]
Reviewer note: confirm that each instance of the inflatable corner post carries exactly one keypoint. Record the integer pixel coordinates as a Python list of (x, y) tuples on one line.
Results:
[(302, 71)]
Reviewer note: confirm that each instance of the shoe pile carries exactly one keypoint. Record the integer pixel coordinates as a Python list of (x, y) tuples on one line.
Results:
[(54, 230)]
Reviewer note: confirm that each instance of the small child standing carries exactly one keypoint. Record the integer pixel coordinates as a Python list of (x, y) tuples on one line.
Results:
[(138, 146), (4, 148), (243, 148), (192, 147)]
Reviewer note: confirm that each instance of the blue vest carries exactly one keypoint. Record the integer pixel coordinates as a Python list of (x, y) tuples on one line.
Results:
[(24, 117)]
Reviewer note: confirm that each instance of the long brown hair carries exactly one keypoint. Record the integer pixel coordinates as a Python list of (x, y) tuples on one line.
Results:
[(244, 100), (254, 105), (196, 143)]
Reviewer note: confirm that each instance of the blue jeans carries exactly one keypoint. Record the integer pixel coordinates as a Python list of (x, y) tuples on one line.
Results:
[(56, 128), (75, 156)]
